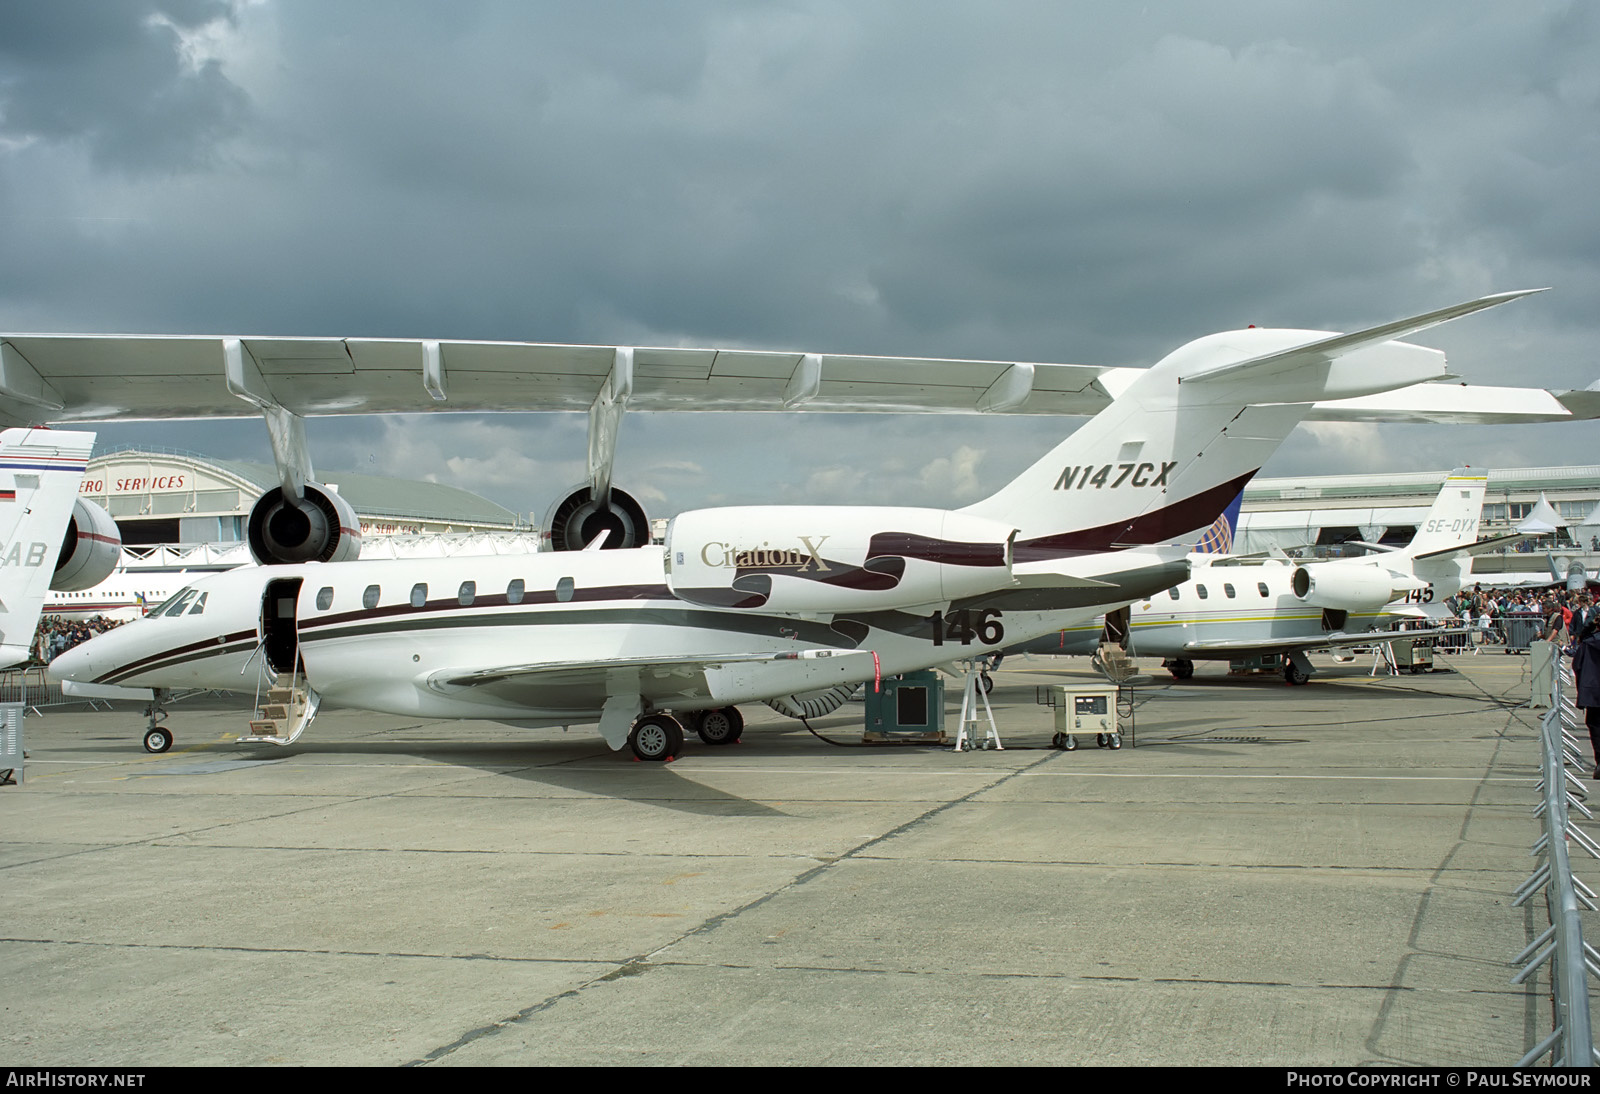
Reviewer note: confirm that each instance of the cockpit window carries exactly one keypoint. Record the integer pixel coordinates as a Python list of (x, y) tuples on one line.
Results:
[(178, 604), (161, 608), (199, 604)]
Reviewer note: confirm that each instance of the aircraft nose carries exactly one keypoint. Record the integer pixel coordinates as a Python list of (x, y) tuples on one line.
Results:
[(76, 664)]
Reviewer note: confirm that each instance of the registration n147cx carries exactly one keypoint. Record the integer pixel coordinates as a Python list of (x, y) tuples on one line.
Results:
[(765, 603)]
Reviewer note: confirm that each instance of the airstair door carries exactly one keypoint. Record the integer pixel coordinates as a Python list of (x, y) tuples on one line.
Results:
[(280, 638)]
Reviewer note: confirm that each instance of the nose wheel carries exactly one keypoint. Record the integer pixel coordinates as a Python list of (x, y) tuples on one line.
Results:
[(157, 738)]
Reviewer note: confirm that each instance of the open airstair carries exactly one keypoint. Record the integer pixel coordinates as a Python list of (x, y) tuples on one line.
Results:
[(287, 710)]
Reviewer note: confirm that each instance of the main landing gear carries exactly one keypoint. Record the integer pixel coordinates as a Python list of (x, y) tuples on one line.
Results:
[(1294, 674), (1181, 668), (656, 737), (723, 726), (660, 737)]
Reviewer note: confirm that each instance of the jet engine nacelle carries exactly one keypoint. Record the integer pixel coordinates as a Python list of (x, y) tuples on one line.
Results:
[(832, 559), (576, 520), (1350, 588), (321, 527), (91, 550)]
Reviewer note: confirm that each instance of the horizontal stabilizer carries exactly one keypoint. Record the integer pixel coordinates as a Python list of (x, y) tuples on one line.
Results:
[(1328, 349), (1478, 548)]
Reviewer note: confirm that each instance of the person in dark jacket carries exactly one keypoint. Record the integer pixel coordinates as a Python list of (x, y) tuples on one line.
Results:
[(1586, 671)]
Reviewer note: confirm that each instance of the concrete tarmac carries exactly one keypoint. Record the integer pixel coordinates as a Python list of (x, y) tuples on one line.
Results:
[(1274, 875)]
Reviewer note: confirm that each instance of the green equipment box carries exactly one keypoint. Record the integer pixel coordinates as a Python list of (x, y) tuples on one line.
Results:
[(906, 708)]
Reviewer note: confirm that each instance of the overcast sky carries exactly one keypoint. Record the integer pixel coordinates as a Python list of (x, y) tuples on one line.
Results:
[(1066, 181)]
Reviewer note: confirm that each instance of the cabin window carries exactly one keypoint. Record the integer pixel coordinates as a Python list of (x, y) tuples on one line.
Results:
[(369, 597), (324, 598), (1173, 592), (514, 591), (467, 593), (1261, 587), (564, 589), (1201, 589), (419, 594), (1227, 591)]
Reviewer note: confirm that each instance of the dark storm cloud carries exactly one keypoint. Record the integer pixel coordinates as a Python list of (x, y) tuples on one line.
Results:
[(114, 76), (1088, 182)]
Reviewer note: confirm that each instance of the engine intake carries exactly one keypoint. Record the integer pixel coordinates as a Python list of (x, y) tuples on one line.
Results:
[(834, 559), (319, 528), (91, 550), (574, 521)]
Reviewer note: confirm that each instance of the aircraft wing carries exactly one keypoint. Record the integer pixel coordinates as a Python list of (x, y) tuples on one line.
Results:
[(1336, 640), (86, 378), (661, 680)]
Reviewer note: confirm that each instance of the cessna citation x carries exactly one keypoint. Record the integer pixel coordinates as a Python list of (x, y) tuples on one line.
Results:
[(1251, 606), (758, 603), (49, 537)]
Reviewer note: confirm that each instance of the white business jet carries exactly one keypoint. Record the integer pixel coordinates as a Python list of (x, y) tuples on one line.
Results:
[(49, 537), (1238, 607), (748, 604)]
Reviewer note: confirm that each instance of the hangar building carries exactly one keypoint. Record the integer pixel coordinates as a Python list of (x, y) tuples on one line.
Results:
[(160, 498)]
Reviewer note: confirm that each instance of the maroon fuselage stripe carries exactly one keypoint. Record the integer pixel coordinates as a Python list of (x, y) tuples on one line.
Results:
[(1159, 526)]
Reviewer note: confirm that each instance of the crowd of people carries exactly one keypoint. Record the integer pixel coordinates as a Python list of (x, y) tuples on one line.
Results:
[(1556, 616), (56, 635)]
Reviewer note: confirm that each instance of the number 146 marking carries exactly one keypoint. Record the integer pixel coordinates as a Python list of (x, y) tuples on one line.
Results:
[(965, 624)]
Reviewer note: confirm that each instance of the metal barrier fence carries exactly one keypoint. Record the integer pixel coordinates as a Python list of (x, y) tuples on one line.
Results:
[(29, 687), (1571, 1042)]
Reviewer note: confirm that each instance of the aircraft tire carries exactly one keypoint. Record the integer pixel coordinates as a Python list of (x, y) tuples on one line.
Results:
[(723, 726), (157, 740), (986, 682), (1293, 674), (656, 738), (1181, 669)]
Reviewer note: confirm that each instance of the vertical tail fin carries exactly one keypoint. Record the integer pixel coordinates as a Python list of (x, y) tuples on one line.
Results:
[(40, 470), (1452, 520), (1183, 439), (1218, 539)]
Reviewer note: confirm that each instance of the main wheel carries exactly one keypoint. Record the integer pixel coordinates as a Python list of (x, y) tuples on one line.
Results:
[(1294, 674), (157, 740), (1181, 669), (656, 738), (985, 682), (723, 726)]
